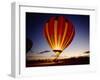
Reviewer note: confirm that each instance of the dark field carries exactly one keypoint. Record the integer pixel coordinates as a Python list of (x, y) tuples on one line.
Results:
[(58, 62)]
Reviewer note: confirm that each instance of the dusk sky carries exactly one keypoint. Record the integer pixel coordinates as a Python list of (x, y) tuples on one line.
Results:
[(34, 31)]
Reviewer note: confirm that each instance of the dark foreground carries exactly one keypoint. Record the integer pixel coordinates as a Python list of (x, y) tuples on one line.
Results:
[(58, 62)]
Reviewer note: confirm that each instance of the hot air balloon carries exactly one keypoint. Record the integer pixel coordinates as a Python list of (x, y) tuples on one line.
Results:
[(59, 33)]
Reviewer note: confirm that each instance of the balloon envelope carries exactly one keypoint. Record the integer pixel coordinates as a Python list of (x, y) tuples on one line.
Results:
[(59, 33)]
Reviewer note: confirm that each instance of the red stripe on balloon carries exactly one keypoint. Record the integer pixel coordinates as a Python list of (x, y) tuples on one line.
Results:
[(61, 24), (68, 34)]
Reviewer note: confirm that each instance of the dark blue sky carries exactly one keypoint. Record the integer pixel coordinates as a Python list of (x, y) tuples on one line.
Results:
[(34, 30)]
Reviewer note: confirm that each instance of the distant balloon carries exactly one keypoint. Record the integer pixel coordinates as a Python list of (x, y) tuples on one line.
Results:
[(59, 33)]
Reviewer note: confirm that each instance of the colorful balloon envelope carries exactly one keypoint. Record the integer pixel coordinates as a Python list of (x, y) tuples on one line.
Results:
[(59, 32)]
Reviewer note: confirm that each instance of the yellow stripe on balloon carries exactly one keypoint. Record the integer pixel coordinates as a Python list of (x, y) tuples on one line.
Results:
[(59, 40), (48, 36), (55, 33), (64, 35), (52, 40), (66, 44)]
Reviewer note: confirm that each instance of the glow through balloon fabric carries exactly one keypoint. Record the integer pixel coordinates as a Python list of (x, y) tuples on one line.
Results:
[(59, 33)]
